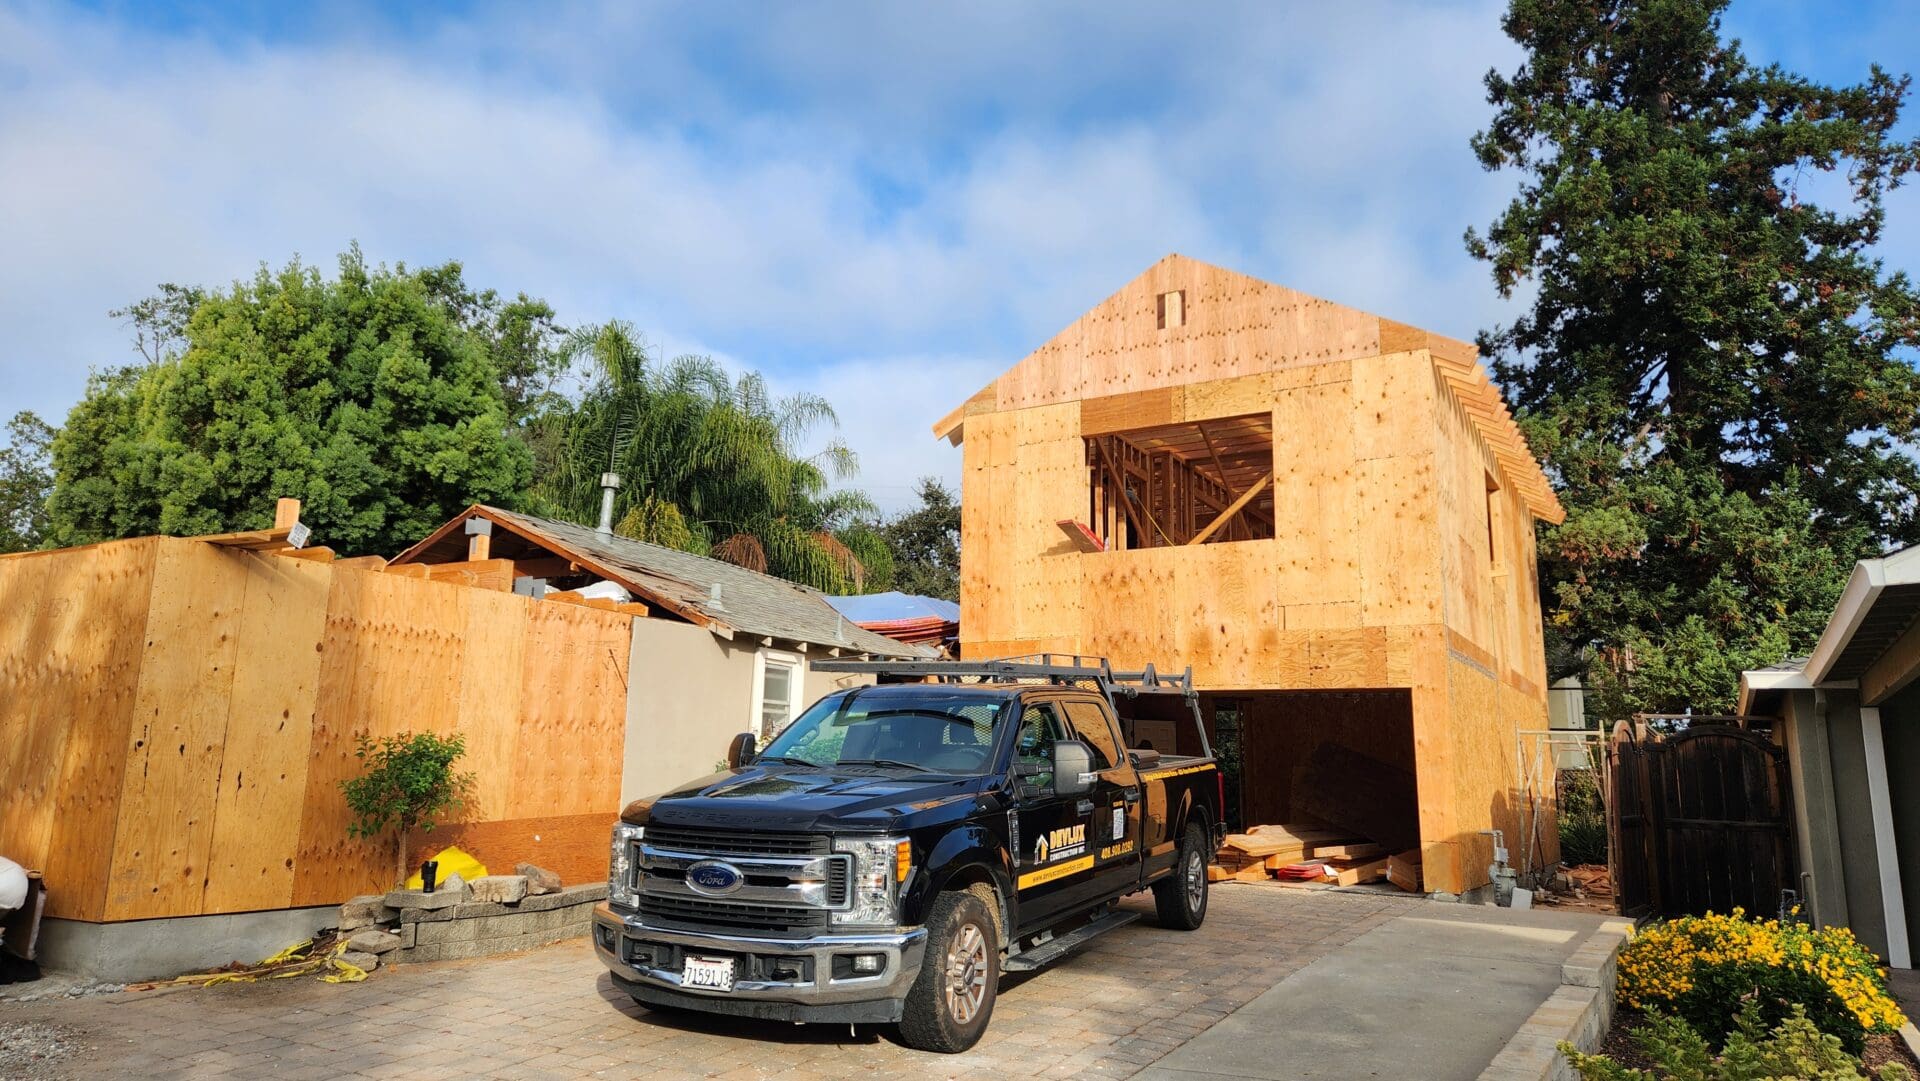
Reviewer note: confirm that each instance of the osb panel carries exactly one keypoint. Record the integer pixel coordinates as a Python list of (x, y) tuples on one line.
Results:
[(1125, 595), (70, 650), (1225, 618), (391, 662), (492, 673), (1393, 406), (1235, 326), (162, 848), (1483, 758), (1491, 594), (1316, 496), (573, 711), (1398, 540), (263, 774)]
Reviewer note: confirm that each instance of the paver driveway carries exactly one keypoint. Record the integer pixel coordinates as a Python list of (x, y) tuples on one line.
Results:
[(1125, 1001)]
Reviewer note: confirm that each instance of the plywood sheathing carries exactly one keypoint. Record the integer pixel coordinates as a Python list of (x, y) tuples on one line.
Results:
[(176, 716), (1381, 573), (1238, 325)]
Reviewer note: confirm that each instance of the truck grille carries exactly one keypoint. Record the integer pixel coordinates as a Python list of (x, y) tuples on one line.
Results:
[(791, 881), (723, 843), (708, 914)]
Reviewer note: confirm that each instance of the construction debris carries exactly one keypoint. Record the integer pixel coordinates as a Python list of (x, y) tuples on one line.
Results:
[(325, 955), (1299, 853)]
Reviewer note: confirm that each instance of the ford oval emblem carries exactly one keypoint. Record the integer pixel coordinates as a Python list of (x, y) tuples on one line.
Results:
[(715, 878)]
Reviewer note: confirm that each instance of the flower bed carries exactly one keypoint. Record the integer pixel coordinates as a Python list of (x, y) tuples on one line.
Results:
[(1703, 968)]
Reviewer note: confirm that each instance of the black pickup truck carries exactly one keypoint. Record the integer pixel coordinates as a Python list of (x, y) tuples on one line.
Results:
[(897, 847)]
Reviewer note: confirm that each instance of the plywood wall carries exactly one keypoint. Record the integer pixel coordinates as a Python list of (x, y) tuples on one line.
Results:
[(175, 720), (1391, 565)]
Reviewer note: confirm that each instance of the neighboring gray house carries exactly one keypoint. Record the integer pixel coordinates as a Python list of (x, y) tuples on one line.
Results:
[(1849, 716), (721, 650)]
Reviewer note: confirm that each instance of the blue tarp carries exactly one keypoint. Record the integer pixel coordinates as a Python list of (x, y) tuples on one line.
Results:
[(886, 607)]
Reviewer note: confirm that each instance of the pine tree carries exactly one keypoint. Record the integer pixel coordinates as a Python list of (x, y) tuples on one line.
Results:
[(1714, 364)]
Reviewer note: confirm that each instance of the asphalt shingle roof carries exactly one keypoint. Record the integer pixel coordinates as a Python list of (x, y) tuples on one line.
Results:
[(746, 601)]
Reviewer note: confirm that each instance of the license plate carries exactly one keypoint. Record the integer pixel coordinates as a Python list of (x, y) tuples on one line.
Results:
[(712, 973)]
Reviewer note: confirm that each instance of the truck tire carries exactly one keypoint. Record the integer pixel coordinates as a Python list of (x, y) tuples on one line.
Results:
[(948, 1007), (1180, 899)]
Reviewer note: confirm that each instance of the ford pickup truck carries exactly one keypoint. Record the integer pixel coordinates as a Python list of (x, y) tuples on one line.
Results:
[(893, 850)]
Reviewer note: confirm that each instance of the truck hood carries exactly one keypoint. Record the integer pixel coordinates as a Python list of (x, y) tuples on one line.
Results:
[(793, 798)]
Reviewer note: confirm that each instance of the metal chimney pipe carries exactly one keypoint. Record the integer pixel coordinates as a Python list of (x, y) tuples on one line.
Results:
[(609, 484)]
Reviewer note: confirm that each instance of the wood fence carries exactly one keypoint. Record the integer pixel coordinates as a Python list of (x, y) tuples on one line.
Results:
[(1700, 821), (176, 717)]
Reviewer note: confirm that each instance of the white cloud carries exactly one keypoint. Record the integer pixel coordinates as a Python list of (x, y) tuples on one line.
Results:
[(862, 202)]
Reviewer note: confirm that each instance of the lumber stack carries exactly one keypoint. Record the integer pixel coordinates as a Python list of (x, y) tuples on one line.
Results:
[(1310, 853)]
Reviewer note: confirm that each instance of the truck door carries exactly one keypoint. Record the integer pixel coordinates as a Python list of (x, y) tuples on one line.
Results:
[(1114, 837), (1051, 836)]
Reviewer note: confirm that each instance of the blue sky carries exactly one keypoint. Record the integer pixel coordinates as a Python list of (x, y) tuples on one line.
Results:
[(883, 203)]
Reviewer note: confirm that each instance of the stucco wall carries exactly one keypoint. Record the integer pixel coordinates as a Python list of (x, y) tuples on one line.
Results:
[(690, 691)]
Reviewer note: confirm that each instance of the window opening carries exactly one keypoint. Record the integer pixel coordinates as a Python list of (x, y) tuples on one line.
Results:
[(1173, 309), (1182, 484)]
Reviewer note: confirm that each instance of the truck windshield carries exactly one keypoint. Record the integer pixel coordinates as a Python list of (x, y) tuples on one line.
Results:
[(931, 730)]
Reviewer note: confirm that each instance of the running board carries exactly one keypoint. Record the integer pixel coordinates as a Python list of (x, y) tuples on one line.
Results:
[(1059, 946)]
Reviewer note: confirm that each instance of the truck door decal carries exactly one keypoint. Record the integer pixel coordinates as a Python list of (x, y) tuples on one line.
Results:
[(1057, 853)]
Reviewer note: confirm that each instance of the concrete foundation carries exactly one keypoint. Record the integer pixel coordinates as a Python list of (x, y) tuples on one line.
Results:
[(162, 949)]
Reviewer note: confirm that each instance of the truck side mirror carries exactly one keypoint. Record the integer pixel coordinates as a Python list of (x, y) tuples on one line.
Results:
[(741, 750), (1072, 768)]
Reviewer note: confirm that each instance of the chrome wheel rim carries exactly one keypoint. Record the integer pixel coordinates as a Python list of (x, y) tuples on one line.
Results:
[(966, 973), (1196, 882)]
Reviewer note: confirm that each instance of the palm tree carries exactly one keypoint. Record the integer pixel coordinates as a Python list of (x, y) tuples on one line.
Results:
[(707, 462)]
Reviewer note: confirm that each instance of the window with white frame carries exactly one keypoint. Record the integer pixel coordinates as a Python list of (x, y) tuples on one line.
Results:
[(777, 691)]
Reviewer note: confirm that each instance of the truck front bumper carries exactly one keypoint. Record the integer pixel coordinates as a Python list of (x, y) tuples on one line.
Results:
[(776, 979)]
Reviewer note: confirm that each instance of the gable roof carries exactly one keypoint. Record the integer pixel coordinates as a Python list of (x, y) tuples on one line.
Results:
[(712, 593), (1238, 325)]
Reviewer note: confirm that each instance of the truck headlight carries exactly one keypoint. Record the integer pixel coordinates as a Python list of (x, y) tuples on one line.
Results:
[(621, 888), (880, 865)]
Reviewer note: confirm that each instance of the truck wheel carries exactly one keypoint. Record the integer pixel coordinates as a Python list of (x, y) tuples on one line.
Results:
[(951, 1000), (1180, 899)]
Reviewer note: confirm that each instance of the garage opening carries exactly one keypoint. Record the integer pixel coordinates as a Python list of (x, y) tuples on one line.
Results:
[(1317, 778)]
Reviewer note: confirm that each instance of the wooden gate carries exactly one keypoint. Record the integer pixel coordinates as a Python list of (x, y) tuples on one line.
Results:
[(1699, 821)]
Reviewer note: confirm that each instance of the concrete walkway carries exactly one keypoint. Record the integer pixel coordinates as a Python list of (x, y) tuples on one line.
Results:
[(1434, 993)]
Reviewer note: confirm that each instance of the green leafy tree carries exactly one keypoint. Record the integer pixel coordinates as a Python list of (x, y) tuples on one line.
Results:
[(1712, 362), (406, 783), (708, 463), (375, 397), (926, 544), (26, 480)]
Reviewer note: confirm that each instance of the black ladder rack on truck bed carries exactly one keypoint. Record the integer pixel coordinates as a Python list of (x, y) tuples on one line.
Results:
[(1065, 669), (1145, 691)]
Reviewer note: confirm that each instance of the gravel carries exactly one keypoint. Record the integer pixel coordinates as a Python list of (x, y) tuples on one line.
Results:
[(35, 1048)]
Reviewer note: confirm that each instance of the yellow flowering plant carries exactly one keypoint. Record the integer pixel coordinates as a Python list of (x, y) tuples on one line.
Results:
[(1704, 968)]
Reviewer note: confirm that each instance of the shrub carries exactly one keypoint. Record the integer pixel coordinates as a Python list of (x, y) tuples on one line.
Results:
[(1795, 1048), (408, 781), (1704, 968), (1583, 818)]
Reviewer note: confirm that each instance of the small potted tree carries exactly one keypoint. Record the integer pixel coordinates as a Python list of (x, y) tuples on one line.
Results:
[(407, 782)]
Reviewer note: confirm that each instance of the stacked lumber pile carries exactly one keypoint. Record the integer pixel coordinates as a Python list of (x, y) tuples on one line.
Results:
[(1311, 853)]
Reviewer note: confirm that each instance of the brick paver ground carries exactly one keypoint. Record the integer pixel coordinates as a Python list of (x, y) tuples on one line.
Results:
[(1122, 1003)]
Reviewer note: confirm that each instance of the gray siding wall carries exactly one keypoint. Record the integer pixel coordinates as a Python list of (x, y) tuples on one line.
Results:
[(1853, 812), (1900, 726)]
